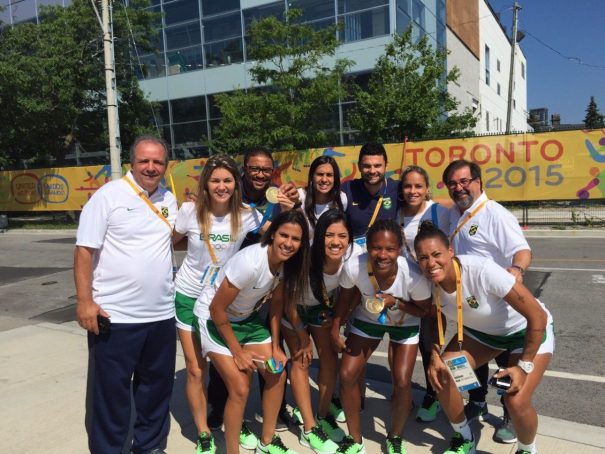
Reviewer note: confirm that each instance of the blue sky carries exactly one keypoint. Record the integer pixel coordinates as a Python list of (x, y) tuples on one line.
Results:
[(575, 29)]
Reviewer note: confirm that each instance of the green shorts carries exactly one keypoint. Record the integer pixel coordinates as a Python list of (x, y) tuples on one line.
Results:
[(183, 305), (249, 331), (309, 315), (397, 334), (513, 342)]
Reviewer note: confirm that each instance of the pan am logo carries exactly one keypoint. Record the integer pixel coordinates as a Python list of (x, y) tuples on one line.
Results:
[(24, 188), (53, 188)]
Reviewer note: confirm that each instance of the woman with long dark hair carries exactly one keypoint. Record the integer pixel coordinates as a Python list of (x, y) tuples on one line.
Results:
[(311, 318), (323, 190), (234, 336)]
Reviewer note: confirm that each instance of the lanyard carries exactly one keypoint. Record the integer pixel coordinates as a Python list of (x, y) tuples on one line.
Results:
[(260, 302), (210, 248), (459, 317), (468, 218), (377, 289), (405, 243), (145, 199), (378, 205)]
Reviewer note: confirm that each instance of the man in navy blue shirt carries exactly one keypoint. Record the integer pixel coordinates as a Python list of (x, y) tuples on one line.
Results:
[(372, 196)]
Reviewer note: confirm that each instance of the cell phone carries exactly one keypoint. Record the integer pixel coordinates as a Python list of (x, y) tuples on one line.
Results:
[(275, 367), (103, 323), (500, 383), (260, 363)]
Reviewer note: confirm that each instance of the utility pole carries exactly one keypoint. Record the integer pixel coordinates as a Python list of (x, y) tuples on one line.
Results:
[(113, 125), (511, 77)]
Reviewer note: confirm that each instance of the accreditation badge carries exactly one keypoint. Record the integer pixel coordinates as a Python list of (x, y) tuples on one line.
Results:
[(210, 274), (462, 373), (361, 242)]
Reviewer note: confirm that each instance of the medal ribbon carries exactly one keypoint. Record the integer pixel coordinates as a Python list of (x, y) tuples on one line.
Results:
[(468, 218), (459, 317)]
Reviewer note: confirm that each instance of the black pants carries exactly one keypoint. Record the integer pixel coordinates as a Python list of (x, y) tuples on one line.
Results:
[(143, 353), (478, 394)]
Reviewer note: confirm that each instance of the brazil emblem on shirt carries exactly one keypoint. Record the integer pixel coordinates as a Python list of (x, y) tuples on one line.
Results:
[(386, 203), (165, 212), (472, 302), (473, 229)]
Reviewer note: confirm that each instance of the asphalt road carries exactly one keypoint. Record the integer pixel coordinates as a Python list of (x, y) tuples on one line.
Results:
[(568, 275)]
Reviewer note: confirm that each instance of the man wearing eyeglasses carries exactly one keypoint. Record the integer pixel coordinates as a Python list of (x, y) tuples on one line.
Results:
[(479, 226)]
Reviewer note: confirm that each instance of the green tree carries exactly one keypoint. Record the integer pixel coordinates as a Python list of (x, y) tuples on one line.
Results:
[(407, 95), (52, 82), (294, 100), (593, 118)]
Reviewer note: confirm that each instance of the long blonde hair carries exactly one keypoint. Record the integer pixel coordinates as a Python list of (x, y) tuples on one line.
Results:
[(202, 204)]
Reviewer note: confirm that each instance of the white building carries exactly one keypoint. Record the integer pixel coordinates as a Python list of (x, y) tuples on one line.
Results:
[(481, 49)]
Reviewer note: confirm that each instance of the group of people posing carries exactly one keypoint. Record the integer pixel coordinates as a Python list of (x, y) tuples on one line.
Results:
[(328, 269)]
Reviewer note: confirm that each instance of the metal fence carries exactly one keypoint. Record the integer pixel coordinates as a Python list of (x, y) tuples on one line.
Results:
[(564, 213)]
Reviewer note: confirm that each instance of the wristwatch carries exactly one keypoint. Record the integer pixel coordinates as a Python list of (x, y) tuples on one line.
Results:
[(526, 366)]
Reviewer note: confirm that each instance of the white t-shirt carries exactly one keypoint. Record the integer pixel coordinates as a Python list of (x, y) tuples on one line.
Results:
[(188, 279), (248, 270), (320, 208), (484, 285), (492, 232), (411, 224), (409, 285), (132, 268)]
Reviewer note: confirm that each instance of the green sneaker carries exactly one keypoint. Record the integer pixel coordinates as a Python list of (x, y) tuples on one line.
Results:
[(318, 441), (473, 411), (330, 427), (337, 411), (395, 445), (522, 451), (458, 445), (429, 409), (275, 447), (247, 439), (205, 444), (506, 432), (348, 446), (297, 416)]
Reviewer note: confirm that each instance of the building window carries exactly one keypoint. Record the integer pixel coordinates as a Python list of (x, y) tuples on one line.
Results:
[(487, 121), (523, 70), (487, 65), (180, 11), (498, 89), (210, 7), (363, 19), (223, 40)]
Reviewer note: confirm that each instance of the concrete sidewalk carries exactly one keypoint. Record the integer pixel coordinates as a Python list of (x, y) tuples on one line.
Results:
[(44, 382)]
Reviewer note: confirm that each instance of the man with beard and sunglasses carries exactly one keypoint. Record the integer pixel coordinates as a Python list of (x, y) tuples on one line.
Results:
[(483, 227)]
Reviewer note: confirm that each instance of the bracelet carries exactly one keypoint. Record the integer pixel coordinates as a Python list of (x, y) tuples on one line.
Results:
[(520, 268)]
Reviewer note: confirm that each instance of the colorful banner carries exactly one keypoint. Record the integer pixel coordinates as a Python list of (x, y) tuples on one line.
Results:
[(522, 167)]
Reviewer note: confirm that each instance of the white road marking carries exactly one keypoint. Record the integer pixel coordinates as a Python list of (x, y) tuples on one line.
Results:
[(598, 279), (548, 373), (542, 268)]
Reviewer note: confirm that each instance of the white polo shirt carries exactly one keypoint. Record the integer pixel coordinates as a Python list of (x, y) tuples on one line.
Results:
[(492, 232), (248, 270), (132, 267), (409, 284), (188, 279)]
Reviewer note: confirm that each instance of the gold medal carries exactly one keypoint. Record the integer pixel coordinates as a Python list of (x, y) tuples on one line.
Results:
[(271, 194), (374, 305)]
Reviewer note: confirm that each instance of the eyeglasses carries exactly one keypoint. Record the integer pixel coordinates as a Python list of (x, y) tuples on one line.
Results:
[(254, 170), (463, 182)]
